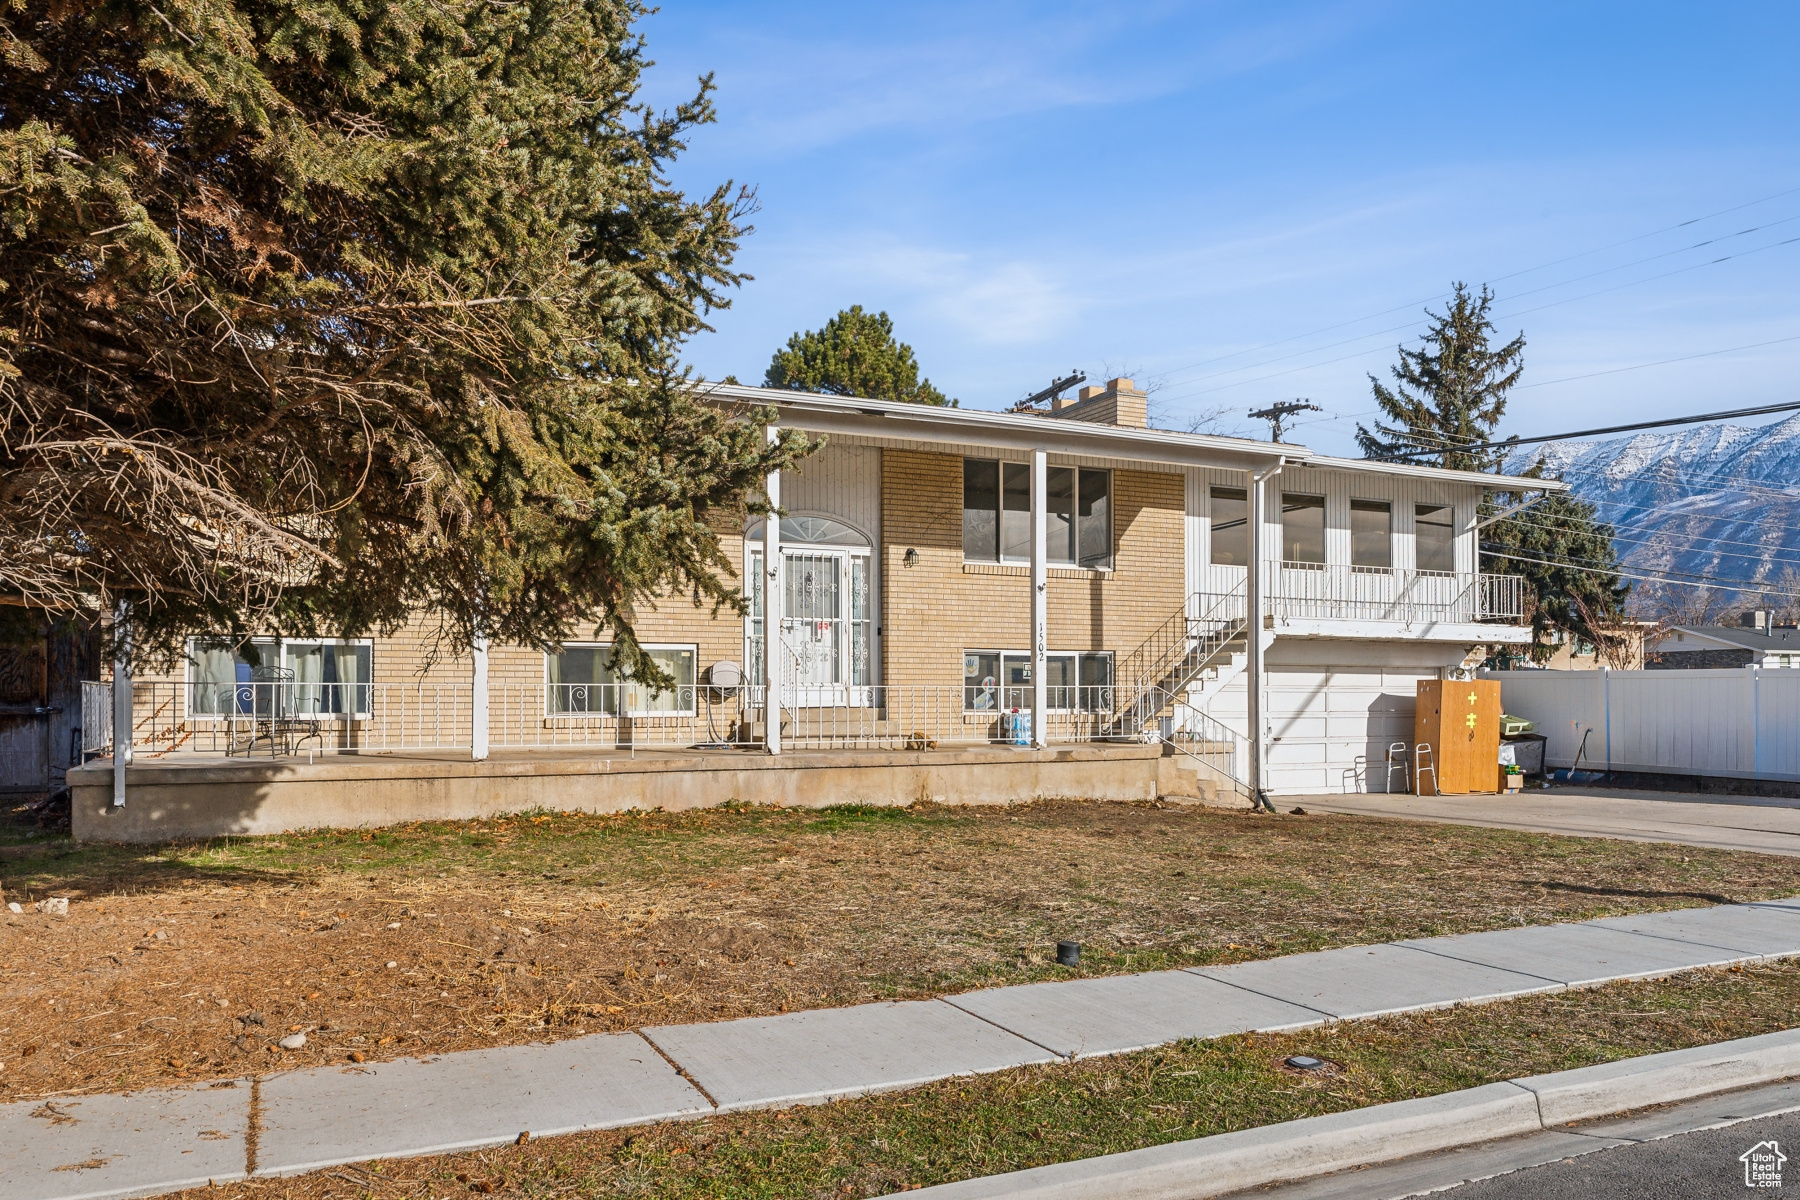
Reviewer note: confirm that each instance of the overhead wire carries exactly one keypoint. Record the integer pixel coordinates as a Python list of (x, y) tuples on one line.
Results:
[(1497, 279), (1445, 445), (1503, 316), (1644, 578), (1520, 295)]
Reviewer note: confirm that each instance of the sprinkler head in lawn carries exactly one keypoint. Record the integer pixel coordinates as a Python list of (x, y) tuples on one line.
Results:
[(1068, 954)]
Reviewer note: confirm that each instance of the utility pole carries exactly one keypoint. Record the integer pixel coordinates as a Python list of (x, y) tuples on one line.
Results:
[(1275, 412), (1057, 387)]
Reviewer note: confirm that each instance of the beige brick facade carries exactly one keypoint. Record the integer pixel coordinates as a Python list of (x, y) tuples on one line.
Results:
[(936, 609), (930, 612)]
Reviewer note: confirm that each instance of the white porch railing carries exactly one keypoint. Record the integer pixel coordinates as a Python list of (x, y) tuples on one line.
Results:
[(285, 719), (1337, 591)]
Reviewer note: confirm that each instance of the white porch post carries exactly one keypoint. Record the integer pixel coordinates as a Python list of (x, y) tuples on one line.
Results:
[(1255, 602), (121, 700), (1040, 602), (478, 700), (772, 601)]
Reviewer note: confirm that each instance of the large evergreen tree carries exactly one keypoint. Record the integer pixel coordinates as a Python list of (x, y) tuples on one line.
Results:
[(1447, 399), (315, 312), (1568, 562), (1448, 394), (854, 355)]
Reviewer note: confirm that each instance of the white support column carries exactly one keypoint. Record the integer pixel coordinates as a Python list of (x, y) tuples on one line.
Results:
[(1040, 601), (121, 700), (1255, 602), (772, 604), (478, 700)]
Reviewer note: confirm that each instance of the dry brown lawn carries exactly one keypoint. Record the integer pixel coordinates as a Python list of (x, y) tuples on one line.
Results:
[(183, 962)]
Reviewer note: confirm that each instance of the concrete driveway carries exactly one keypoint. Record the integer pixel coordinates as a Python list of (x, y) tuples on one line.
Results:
[(1766, 825)]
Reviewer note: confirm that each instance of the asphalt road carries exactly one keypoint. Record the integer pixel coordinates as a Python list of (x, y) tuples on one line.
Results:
[(1762, 824), (1691, 1166), (1686, 1151)]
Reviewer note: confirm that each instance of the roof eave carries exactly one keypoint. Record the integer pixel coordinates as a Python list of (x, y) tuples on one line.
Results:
[(1014, 431), (1484, 479)]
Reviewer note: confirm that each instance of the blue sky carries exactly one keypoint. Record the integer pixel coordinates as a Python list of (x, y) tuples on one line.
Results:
[(1246, 203)]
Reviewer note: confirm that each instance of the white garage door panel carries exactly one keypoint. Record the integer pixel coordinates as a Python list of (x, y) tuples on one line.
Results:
[(1336, 726)]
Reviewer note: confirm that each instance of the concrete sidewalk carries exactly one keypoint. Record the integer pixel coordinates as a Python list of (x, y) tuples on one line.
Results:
[(89, 1147), (1766, 825)]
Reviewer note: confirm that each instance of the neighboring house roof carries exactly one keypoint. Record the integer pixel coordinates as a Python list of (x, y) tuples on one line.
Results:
[(1779, 640), (1037, 431)]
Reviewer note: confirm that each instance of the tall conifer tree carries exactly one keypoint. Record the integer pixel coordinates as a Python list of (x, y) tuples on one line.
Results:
[(313, 314), (1448, 394), (1448, 397), (855, 354)]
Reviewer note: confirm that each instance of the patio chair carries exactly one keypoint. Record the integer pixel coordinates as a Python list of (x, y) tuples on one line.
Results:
[(271, 700)]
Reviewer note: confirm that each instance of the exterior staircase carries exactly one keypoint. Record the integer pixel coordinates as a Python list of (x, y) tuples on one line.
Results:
[(1200, 640)]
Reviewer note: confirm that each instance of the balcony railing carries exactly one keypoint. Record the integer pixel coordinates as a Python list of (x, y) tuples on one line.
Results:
[(285, 719), (1337, 591)]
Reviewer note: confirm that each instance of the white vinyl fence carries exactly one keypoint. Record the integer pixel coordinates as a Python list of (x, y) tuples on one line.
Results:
[(1742, 723)]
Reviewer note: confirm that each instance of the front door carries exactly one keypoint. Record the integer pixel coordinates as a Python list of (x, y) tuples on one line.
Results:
[(825, 648)]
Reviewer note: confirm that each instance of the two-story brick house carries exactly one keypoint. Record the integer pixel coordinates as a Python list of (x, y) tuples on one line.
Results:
[(904, 569)]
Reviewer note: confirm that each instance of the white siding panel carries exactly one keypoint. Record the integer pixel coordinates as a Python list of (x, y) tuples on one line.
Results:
[(843, 480)]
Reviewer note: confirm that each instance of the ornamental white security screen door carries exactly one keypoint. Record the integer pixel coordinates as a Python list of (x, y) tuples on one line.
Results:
[(826, 610)]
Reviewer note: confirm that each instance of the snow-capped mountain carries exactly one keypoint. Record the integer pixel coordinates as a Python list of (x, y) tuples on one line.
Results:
[(1720, 502)]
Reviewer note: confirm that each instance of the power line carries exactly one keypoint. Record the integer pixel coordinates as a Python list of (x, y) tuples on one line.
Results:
[(1620, 574), (1498, 279), (1501, 316), (1466, 447), (1532, 292), (1531, 522), (1663, 363)]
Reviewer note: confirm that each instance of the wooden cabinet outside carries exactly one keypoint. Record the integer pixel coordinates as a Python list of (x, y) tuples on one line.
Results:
[(1460, 721)]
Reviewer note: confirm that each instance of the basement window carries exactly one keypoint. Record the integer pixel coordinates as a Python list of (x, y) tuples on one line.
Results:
[(1000, 680), (582, 679), (321, 678)]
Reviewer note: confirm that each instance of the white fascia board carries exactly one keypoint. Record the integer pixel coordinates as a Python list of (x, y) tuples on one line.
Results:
[(1011, 431), (1396, 631), (1482, 479), (1668, 643)]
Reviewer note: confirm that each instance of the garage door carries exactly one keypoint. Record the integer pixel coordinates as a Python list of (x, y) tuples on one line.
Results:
[(1330, 727)]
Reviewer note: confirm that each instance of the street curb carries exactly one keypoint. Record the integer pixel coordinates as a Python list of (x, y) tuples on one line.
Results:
[(1292, 1150)]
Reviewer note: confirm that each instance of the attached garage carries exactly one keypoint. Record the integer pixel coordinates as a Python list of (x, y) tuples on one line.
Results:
[(1335, 705)]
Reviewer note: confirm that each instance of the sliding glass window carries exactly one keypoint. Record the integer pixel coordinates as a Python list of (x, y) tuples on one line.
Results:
[(1434, 537), (1371, 534), (997, 514)]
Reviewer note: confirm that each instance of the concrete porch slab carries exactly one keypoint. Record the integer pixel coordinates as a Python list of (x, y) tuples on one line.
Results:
[(1085, 1017), (316, 1118), (200, 796), (1769, 932), (1370, 981), (1577, 955), (812, 1057), (138, 1144)]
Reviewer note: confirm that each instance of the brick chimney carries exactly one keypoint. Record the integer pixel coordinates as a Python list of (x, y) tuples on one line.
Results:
[(1118, 403)]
